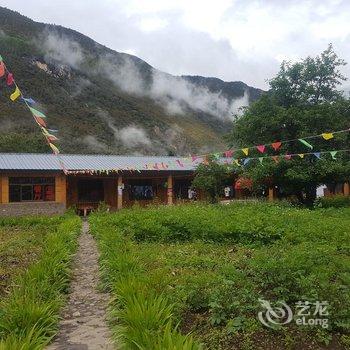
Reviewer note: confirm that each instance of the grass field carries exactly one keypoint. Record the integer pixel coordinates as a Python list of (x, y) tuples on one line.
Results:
[(200, 270), (35, 258)]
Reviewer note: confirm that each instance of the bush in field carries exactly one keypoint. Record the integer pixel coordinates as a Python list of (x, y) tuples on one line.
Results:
[(211, 178), (29, 316), (337, 201)]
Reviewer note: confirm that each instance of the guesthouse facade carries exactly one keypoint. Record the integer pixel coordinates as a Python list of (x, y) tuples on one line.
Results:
[(45, 184)]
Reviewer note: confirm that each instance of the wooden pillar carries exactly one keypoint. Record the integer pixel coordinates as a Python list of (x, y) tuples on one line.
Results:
[(271, 195), (61, 189), (170, 189), (346, 189), (4, 189), (120, 193)]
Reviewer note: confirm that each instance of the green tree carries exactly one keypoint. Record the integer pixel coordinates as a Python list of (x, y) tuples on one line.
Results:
[(211, 178), (303, 100)]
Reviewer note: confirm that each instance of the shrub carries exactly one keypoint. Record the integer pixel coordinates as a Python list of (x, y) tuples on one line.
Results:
[(336, 201)]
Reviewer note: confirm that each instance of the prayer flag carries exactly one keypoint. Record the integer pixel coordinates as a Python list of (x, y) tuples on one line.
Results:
[(276, 145), (179, 162), (237, 162), (288, 157), (246, 161), (37, 113), (301, 155), (261, 148), (327, 135), (15, 94), (54, 148), (2, 69), (317, 155), (228, 154), (333, 153), (276, 159), (306, 143), (245, 151), (9, 79), (29, 100), (261, 159), (40, 121)]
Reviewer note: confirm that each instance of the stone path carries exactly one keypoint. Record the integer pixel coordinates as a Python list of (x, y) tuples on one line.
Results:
[(83, 326)]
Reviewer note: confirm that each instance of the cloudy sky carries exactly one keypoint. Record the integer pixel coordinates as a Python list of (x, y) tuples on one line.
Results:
[(229, 39)]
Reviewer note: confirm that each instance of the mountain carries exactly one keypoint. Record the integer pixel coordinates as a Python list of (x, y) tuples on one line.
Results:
[(103, 101)]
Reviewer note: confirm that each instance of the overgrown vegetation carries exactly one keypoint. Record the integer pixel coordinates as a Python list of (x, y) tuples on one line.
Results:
[(36, 259), (205, 267)]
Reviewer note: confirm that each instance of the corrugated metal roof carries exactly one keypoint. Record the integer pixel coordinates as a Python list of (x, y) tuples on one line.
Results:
[(34, 161)]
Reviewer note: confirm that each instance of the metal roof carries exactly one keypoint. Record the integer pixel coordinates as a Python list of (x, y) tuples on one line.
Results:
[(35, 161)]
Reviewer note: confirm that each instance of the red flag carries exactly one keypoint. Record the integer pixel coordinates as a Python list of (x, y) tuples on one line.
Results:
[(276, 145), (40, 121), (179, 162), (228, 154), (261, 148), (9, 79), (288, 156), (2, 69)]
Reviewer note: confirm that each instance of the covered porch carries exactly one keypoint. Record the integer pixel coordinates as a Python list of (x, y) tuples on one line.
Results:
[(117, 191)]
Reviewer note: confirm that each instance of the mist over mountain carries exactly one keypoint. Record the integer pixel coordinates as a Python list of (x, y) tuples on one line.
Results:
[(103, 101)]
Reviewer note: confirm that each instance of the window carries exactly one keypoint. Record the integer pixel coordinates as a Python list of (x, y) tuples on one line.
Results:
[(32, 189), (141, 190)]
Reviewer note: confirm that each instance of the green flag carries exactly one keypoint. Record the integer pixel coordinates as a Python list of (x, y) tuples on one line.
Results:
[(261, 159), (333, 153), (306, 143)]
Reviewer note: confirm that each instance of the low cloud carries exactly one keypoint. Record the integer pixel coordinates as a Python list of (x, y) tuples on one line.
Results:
[(59, 48), (176, 94), (133, 136), (94, 144), (124, 74)]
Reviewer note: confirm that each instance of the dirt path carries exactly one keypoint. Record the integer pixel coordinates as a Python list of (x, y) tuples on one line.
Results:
[(84, 317)]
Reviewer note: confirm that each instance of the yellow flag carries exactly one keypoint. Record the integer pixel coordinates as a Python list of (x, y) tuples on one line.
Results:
[(15, 94), (245, 151), (301, 155), (237, 162), (327, 135), (54, 148)]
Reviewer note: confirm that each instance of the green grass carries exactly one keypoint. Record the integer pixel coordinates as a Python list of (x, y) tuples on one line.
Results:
[(21, 243), (29, 314), (201, 269)]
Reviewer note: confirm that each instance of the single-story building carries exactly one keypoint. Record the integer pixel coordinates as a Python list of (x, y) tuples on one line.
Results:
[(36, 183), (47, 184)]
